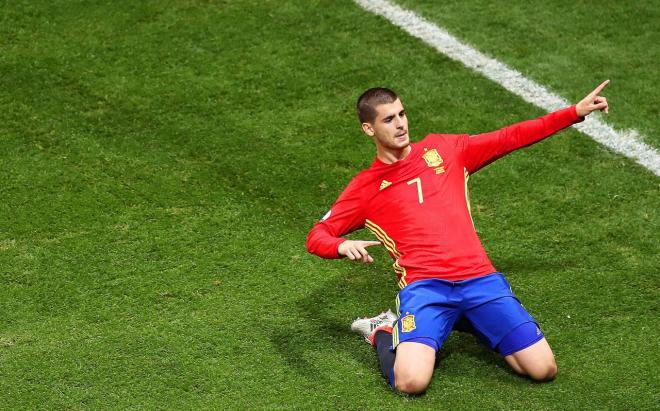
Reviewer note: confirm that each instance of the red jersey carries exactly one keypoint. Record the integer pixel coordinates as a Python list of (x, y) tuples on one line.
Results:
[(419, 208)]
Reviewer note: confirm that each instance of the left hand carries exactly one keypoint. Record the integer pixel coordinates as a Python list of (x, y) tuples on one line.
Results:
[(593, 101)]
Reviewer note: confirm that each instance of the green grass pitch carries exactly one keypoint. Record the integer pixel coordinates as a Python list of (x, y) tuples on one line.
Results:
[(162, 161)]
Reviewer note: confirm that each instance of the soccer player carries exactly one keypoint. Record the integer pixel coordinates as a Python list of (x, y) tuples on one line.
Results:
[(414, 199)]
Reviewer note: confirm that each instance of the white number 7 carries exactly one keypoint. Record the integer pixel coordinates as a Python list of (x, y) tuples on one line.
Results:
[(418, 180)]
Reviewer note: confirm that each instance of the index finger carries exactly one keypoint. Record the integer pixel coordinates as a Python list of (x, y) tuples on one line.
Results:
[(600, 88), (370, 243)]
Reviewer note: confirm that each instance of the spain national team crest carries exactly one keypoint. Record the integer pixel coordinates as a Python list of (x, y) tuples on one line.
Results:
[(408, 323), (385, 184), (433, 160)]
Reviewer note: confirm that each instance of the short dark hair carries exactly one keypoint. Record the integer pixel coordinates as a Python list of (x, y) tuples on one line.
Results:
[(370, 99)]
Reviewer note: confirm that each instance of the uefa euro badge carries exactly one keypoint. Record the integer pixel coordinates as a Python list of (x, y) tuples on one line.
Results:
[(433, 160), (408, 323)]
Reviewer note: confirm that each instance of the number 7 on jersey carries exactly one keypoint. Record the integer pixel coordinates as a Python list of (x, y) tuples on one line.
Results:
[(420, 195)]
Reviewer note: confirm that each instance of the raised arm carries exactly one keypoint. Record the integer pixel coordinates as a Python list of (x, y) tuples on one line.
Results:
[(483, 149)]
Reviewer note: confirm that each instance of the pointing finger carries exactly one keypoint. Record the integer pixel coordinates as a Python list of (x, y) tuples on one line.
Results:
[(370, 243), (600, 88)]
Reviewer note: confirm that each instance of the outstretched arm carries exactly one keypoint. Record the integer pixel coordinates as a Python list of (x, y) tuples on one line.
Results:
[(483, 149)]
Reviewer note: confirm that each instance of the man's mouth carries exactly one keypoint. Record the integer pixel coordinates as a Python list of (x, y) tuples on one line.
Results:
[(401, 134)]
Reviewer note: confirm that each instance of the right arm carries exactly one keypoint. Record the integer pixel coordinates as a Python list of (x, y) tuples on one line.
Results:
[(346, 215)]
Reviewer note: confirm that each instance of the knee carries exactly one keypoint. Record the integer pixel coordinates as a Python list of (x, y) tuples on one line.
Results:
[(408, 383), (546, 371)]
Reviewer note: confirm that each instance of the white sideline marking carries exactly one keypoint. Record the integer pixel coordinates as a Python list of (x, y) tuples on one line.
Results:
[(625, 143)]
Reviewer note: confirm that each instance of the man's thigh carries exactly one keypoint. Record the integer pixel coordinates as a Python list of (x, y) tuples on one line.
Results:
[(413, 367), (535, 353), (537, 361), (426, 315), (492, 309)]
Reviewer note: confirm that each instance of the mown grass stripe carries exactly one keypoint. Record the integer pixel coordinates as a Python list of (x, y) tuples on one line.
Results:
[(625, 143)]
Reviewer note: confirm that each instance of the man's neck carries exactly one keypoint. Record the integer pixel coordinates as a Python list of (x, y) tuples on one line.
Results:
[(392, 156)]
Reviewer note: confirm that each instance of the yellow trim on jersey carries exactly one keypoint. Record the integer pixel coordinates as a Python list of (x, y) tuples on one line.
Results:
[(402, 272), (390, 245), (383, 237), (467, 194), (395, 329)]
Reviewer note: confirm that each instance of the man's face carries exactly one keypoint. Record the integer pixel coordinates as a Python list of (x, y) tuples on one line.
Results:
[(390, 127)]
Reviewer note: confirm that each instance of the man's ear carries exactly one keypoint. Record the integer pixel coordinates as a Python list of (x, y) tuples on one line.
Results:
[(368, 130)]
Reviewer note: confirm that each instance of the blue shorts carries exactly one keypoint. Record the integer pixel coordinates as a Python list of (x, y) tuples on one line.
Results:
[(429, 309)]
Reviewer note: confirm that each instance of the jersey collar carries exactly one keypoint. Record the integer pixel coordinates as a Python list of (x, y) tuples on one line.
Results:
[(379, 163)]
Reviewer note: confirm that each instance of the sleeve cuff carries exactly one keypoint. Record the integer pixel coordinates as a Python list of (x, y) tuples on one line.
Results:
[(339, 242), (574, 115)]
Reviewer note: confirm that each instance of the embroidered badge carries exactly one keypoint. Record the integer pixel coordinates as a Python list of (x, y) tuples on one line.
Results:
[(385, 184), (433, 160), (408, 323)]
